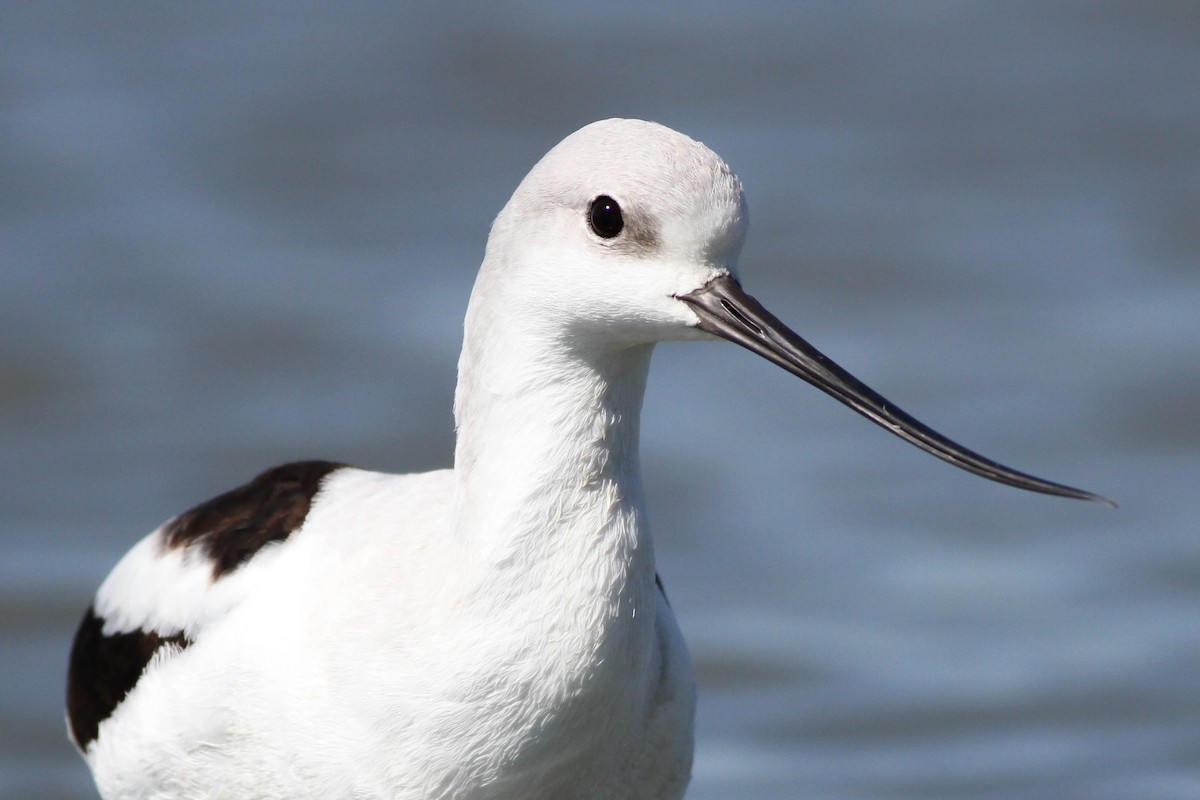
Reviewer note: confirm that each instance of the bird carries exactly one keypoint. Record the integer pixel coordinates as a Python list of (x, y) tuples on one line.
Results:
[(490, 631)]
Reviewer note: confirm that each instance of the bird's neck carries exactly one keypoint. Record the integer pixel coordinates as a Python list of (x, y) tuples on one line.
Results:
[(547, 477), (550, 544)]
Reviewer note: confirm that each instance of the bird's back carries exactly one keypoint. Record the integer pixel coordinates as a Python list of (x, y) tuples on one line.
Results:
[(309, 635)]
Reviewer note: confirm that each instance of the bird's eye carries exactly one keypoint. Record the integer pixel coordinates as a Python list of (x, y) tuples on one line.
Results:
[(604, 217)]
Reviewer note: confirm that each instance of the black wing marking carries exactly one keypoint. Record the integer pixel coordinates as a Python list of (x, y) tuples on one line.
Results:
[(233, 526), (103, 669), (230, 529)]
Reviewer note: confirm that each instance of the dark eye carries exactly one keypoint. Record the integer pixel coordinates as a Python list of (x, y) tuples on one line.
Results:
[(604, 215)]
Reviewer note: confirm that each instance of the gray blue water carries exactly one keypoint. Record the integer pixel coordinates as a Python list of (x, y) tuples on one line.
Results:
[(234, 235)]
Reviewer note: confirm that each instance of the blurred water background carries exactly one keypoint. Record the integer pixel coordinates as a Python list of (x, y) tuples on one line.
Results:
[(237, 234)]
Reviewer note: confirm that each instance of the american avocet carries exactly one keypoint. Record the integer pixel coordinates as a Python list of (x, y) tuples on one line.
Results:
[(493, 631)]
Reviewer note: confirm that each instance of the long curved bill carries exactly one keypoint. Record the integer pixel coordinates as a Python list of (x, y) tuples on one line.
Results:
[(727, 311)]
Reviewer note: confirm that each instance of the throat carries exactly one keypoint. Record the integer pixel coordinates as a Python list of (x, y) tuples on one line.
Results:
[(547, 469)]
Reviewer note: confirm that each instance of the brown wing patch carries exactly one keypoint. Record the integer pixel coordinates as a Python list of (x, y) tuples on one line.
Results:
[(233, 526), (103, 669)]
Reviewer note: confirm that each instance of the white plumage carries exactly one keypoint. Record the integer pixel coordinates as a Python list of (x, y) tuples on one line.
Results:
[(494, 631)]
